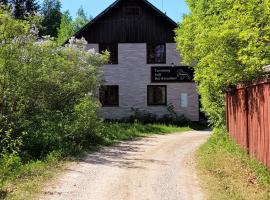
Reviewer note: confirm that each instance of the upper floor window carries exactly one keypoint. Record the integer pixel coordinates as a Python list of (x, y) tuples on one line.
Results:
[(156, 53), (113, 49), (132, 11)]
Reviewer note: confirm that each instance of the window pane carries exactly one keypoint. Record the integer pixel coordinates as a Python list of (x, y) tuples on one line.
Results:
[(113, 49), (132, 11), (157, 95), (156, 53), (109, 95)]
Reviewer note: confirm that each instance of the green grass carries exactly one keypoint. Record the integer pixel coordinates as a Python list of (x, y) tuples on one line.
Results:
[(227, 172), (24, 181), (114, 132)]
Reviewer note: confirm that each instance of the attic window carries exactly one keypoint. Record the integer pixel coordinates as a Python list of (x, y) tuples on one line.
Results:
[(132, 11)]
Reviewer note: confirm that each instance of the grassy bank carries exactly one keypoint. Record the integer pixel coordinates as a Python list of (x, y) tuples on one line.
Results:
[(227, 172), (22, 181)]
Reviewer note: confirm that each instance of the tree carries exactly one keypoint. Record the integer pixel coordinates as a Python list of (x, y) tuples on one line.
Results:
[(31, 6), (81, 20), (19, 9), (22, 9), (66, 28), (5, 2), (46, 100), (51, 11), (227, 42)]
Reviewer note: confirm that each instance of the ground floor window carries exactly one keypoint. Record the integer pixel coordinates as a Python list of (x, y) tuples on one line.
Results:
[(157, 95), (109, 95)]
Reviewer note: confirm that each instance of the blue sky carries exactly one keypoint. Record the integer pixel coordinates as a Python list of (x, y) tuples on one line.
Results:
[(174, 8)]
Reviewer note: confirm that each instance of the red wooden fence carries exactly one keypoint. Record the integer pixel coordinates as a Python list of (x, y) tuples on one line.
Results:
[(248, 118)]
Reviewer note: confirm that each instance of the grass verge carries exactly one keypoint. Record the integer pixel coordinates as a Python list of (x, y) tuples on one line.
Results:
[(227, 172), (24, 181)]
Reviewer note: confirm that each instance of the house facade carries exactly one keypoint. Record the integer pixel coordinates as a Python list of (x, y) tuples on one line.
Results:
[(144, 71)]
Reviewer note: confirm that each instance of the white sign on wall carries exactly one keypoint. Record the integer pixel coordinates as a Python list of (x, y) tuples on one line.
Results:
[(184, 100)]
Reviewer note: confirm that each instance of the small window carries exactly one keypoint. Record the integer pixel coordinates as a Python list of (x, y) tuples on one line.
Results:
[(184, 100), (157, 95), (156, 53), (132, 11), (109, 95), (113, 49)]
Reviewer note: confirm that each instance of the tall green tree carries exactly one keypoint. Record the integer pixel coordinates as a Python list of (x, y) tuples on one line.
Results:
[(32, 6), (66, 28), (81, 19), (227, 42), (21, 9), (51, 11)]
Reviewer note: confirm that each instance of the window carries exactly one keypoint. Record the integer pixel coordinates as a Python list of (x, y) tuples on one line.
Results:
[(156, 53), (184, 100), (113, 49), (109, 95), (157, 95), (132, 11)]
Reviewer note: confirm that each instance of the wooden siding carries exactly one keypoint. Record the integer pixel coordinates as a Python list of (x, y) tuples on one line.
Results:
[(113, 26), (248, 119)]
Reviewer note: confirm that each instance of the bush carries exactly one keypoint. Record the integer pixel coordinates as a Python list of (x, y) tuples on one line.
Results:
[(141, 116), (46, 93), (8, 164), (145, 117)]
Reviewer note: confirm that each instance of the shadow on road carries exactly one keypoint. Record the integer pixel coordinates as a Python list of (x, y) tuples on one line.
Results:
[(124, 155)]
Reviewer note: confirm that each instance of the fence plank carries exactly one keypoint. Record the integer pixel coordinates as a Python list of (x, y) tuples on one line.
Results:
[(248, 119)]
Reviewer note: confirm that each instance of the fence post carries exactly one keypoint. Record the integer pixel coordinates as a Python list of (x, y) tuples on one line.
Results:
[(247, 114)]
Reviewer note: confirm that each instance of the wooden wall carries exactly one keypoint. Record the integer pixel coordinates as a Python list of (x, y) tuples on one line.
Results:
[(114, 27)]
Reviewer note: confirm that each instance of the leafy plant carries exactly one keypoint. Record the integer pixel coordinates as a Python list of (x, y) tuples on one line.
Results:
[(226, 42), (43, 91)]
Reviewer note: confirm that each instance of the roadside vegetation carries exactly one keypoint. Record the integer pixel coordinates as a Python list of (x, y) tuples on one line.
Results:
[(227, 43), (227, 172)]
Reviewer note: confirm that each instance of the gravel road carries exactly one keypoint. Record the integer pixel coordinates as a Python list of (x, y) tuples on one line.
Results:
[(159, 167)]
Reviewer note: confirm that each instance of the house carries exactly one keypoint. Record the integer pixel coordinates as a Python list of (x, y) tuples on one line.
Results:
[(143, 72)]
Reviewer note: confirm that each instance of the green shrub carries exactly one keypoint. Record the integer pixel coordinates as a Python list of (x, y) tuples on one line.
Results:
[(46, 101), (226, 42), (8, 164)]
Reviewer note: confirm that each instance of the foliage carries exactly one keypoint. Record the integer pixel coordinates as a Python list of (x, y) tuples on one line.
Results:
[(113, 132), (32, 6), (66, 28), (21, 9), (69, 27), (227, 42), (51, 11), (145, 117), (227, 171), (81, 20), (45, 91)]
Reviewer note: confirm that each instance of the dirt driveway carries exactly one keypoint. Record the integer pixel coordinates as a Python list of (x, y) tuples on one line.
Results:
[(153, 168)]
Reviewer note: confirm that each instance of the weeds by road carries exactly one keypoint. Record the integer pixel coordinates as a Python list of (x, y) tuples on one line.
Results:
[(227, 172)]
